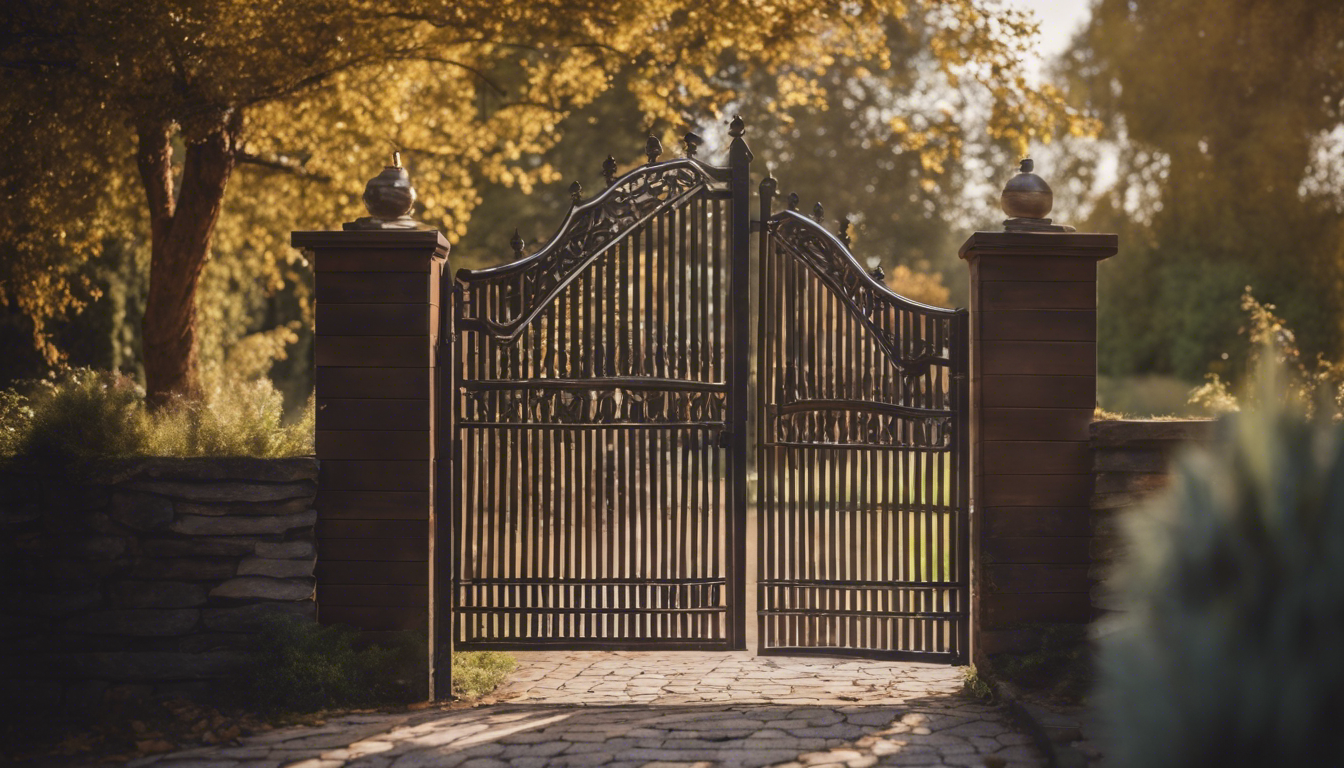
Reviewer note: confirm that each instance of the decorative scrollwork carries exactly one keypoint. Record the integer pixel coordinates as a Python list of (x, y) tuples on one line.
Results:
[(527, 286), (861, 428), (862, 295), (615, 406)]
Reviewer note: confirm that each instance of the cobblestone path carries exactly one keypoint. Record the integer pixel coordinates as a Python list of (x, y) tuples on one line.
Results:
[(664, 710)]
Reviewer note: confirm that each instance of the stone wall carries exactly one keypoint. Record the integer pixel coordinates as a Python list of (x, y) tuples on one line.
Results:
[(1131, 462), (151, 576)]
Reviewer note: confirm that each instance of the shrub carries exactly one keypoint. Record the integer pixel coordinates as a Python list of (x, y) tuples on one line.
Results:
[(241, 419), (1318, 383), (300, 666), (1227, 647), (84, 414), (16, 416), (476, 673)]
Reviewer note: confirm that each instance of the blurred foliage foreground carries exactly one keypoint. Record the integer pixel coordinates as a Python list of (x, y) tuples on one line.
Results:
[(82, 414), (1228, 646)]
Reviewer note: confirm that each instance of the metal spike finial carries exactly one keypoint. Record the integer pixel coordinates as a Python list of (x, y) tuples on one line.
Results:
[(793, 201), (692, 141), (517, 243), (576, 192), (609, 170), (818, 212), (844, 230), (653, 148), (737, 127)]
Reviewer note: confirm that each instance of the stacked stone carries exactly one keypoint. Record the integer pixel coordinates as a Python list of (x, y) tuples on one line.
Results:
[(152, 575), (1131, 460)]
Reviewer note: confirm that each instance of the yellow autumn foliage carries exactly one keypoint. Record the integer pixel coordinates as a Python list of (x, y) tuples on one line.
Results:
[(470, 92)]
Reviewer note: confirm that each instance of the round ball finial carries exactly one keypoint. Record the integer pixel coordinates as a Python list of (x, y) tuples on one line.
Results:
[(818, 212), (517, 243), (389, 196), (793, 201), (576, 193), (609, 170), (653, 148), (1026, 195)]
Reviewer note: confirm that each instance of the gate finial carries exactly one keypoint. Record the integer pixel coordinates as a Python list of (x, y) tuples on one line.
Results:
[(793, 201), (818, 212), (609, 170), (737, 127), (653, 148), (517, 243), (844, 230), (576, 192), (693, 142), (877, 273), (389, 198), (1027, 200), (769, 186)]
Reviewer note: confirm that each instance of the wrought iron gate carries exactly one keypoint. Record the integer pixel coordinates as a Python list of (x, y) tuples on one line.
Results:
[(598, 498), (597, 477), (862, 455)]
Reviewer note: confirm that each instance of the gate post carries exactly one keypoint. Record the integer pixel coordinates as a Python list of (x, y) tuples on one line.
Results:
[(1033, 395), (378, 319), (739, 371)]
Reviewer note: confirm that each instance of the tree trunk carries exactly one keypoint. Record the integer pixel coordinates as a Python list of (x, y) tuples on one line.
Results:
[(181, 226)]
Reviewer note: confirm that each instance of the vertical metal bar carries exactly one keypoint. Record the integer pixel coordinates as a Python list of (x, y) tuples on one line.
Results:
[(677, 366), (962, 457), (721, 557), (444, 501), (907, 539), (766, 533), (739, 163)]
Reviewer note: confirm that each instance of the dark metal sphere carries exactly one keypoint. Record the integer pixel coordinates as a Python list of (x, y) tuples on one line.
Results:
[(389, 195), (1026, 195)]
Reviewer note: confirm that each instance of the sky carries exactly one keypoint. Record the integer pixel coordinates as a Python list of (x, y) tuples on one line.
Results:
[(1059, 20)]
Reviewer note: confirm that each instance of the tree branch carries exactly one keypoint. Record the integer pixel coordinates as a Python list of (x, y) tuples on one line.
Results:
[(283, 165), (154, 157), (496, 87)]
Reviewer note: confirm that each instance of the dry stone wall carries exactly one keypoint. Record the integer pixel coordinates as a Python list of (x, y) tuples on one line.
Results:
[(148, 576)]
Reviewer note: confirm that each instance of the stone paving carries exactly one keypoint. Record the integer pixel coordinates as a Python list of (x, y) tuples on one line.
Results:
[(664, 710)]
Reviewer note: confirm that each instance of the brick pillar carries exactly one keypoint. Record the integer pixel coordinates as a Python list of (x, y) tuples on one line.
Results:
[(1033, 394), (378, 319)]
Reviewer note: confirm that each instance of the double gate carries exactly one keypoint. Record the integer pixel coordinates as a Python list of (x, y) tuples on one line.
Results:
[(598, 406)]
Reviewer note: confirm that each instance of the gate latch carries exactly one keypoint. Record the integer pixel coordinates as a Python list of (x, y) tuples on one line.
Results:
[(724, 436)]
